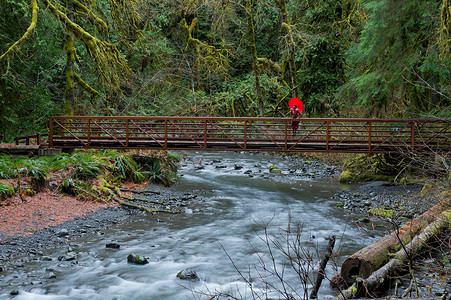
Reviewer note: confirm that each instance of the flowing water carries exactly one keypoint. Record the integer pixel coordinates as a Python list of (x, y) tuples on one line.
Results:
[(224, 226)]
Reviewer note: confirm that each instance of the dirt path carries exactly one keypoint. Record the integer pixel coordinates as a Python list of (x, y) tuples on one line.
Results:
[(43, 211)]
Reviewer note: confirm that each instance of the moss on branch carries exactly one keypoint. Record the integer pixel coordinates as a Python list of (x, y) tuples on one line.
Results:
[(28, 33), (100, 24), (270, 65), (85, 86), (209, 56), (112, 67)]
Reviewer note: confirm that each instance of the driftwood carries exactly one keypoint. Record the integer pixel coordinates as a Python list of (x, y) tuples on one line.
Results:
[(371, 258), (152, 211), (418, 298), (139, 191), (320, 275), (144, 200), (409, 289), (379, 278)]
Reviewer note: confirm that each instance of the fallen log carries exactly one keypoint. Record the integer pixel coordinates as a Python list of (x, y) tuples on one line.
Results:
[(379, 278), (144, 200), (139, 191), (140, 207), (369, 259), (412, 298)]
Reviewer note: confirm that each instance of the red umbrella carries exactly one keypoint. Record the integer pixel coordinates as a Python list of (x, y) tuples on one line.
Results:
[(298, 103)]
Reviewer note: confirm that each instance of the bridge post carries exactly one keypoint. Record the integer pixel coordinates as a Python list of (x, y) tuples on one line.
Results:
[(412, 135), (327, 135), (51, 132), (245, 134), (286, 135), (126, 132), (369, 135), (89, 132), (205, 134), (165, 134)]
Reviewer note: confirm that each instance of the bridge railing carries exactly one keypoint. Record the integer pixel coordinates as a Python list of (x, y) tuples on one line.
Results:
[(34, 138), (254, 134)]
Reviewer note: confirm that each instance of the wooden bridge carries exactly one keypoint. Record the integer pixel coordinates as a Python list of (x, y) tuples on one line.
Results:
[(250, 134)]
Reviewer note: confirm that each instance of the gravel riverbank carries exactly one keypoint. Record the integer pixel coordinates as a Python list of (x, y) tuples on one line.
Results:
[(30, 246)]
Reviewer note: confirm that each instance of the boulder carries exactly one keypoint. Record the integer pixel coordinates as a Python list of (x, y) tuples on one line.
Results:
[(188, 275), (63, 232), (113, 245), (68, 256), (50, 275), (136, 259)]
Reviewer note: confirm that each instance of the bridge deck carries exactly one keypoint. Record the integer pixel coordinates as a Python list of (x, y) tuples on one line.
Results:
[(251, 134)]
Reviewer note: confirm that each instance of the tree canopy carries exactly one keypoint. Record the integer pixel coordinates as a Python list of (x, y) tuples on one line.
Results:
[(344, 58)]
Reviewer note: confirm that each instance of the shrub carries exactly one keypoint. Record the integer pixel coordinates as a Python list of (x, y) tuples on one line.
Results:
[(37, 175), (81, 190), (35, 169), (7, 167), (87, 166), (161, 166), (6, 191), (126, 168)]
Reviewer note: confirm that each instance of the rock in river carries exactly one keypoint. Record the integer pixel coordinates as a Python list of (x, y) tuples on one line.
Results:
[(136, 259), (188, 275), (113, 245)]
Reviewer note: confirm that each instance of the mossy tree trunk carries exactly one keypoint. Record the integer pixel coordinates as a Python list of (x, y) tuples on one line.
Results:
[(70, 61), (255, 64), (288, 67)]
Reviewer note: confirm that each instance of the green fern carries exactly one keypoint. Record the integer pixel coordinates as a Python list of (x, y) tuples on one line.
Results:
[(87, 166), (7, 169), (6, 191)]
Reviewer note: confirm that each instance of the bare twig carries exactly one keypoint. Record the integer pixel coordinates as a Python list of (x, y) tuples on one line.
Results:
[(321, 273)]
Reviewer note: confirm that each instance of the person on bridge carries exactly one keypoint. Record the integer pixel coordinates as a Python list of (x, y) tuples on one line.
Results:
[(295, 114)]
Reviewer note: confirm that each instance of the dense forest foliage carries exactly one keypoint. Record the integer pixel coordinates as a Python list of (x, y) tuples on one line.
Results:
[(343, 58)]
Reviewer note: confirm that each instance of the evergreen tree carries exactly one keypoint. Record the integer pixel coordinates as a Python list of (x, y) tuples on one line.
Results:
[(397, 65)]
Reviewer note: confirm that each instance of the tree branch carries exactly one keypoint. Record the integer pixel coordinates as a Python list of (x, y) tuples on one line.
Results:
[(112, 67), (28, 33)]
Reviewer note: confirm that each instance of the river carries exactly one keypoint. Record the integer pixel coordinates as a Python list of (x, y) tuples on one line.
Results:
[(240, 206)]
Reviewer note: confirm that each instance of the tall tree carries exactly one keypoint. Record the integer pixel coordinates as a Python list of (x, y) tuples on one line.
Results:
[(325, 29)]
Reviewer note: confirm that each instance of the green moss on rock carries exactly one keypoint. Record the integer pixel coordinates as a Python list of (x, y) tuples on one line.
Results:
[(383, 212), (348, 176), (274, 169)]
